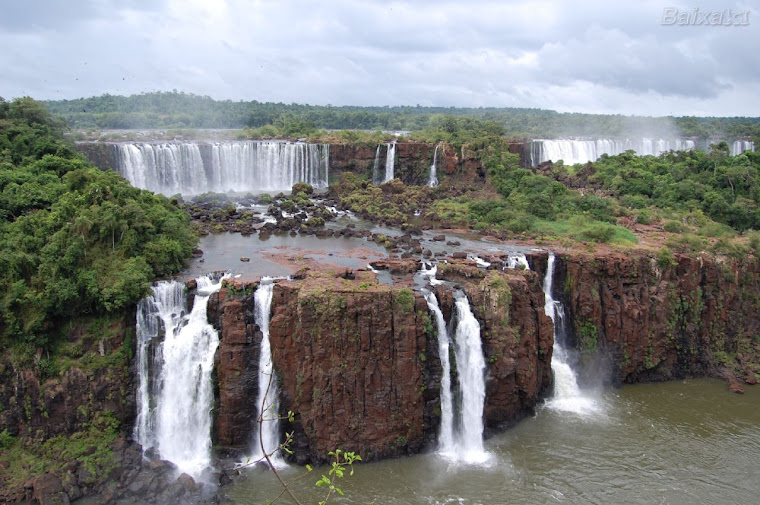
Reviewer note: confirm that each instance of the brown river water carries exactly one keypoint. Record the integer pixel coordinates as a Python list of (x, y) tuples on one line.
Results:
[(686, 442)]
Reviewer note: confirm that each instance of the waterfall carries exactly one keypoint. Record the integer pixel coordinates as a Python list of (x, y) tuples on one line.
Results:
[(376, 167), (174, 407), (567, 397), (583, 151), (471, 367), (446, 435), (433, 177), (739, 146), (266, 403), (172, 168), (163, 168), (461, 434), (162, 310), (390, 161), (478, 260), (517, 260)]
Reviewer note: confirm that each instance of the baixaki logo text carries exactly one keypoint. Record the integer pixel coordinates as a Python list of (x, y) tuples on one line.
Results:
[(696, 17)]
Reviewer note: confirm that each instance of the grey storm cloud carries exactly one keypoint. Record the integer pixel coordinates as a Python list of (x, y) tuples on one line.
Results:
[(587, 56)]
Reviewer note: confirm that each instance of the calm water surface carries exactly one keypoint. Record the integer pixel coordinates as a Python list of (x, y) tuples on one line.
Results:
[(688, 442)]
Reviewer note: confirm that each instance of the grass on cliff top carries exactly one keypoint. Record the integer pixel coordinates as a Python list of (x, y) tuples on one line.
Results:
[(586, 231)]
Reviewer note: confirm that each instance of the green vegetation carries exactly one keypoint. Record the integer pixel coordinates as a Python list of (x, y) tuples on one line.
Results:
[(588, 336), (181, 110), (22, 459), (405, 300), (74, 240), (694, 186)]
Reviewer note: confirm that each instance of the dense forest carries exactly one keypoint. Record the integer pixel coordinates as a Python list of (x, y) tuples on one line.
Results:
[(181, 110), (74, 240)]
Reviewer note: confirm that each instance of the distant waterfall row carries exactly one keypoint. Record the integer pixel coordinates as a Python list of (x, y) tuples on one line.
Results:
[(739, 146), (192, 168), (583, 151), (572, 152)]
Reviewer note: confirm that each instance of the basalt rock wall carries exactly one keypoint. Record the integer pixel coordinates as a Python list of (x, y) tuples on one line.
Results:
[(661, 318), (357, 362)]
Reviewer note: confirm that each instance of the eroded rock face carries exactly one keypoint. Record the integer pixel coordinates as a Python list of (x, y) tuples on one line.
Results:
[(236, 364), (695, 317), (43, 406), (413, 160), (357, 362)]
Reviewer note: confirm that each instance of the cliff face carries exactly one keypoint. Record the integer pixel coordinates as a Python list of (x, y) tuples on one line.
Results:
[(358, 364), (59, 396), (236, 365), (412, 160), (101, 154), (661, 320)]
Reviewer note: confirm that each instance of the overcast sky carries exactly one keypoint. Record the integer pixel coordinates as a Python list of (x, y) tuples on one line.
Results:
[(585, 56)]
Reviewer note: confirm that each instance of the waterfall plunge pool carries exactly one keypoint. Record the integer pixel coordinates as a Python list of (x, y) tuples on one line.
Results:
[(684, 442)]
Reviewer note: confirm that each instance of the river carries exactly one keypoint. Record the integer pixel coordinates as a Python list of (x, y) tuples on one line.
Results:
[(685, 442)]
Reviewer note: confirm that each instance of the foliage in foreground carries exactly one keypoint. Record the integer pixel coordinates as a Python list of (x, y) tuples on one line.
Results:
[(74, 240)]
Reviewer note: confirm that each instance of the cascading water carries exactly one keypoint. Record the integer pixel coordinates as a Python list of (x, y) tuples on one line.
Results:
[(268, 434), (390, 162), (517, 260), (163, 309), (739, 146), (583, 151), (567, 397), (172, 168), (174, 408), (376, 167), (163, 168), (471, 367), (433, 177), (461, 435), (446, 435)]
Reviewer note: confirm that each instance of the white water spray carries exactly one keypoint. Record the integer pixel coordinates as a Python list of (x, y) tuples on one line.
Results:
[(172, 168), (433, 177), (471, 367), (376, 167), (567, 397), (517, 260), (739, 146), (390, 162), (583, 151), (446, 435), (267, 402), (179, 426)]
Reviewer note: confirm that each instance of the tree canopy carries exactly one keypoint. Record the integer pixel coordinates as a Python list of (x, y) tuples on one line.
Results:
[(74, 240), (182, 110)]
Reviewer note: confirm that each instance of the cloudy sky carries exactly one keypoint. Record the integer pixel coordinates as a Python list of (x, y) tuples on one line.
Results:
[(583, 56)]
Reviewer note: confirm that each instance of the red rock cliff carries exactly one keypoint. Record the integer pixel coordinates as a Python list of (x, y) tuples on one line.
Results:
[(357, 362), (660, 319)]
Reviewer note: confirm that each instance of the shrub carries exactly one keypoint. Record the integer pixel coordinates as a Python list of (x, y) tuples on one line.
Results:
[(672, 227)]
